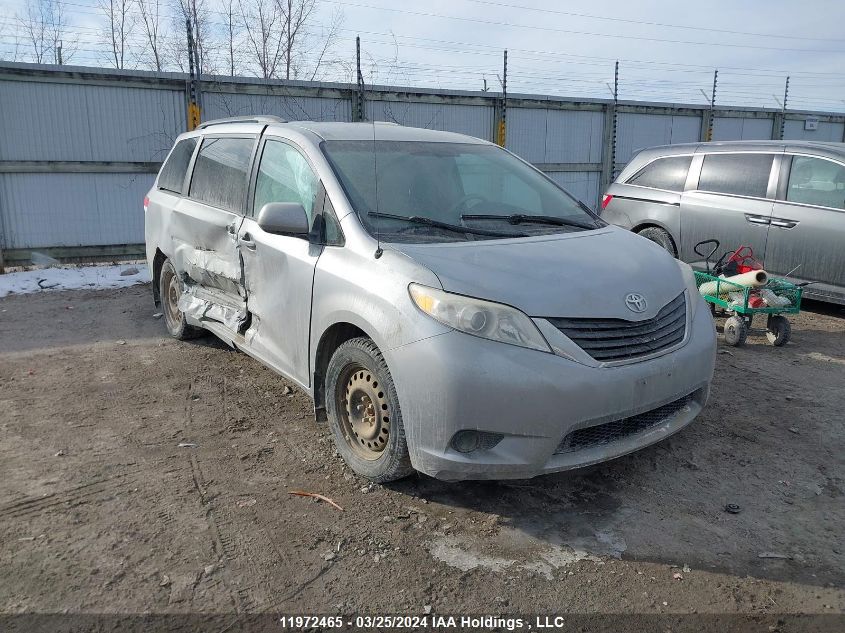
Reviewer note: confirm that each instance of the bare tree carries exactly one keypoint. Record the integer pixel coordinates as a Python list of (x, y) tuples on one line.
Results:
[(296, 15), (45, 27), (329, 37), (120, 22), (264, 27), (62, 45), (34, 25), (14, 54), (232, 26), (150, 13), (282, 40)]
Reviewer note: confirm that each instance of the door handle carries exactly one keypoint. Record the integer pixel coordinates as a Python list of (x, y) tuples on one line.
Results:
[(784, 224), (757, 219), (246, 240)]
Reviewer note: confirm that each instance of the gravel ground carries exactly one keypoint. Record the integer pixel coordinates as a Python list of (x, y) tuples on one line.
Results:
[(146, 475)]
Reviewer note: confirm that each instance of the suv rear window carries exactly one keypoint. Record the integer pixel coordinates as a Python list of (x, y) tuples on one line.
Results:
[(172, 176), (736, 174), (665, 173), (816, 181), (220, 172)]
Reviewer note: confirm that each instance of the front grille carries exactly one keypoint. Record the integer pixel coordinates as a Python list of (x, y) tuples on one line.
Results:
[(618, 339), (609, 432)]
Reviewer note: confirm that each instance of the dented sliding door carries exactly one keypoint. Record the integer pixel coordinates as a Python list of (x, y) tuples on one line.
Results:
[(204, 232)]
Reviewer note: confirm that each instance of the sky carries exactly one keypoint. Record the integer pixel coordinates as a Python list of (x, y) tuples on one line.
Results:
[(667, 51)]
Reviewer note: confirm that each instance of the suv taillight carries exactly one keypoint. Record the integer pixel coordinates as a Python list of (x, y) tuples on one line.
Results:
[(605, 201), (146, 203)]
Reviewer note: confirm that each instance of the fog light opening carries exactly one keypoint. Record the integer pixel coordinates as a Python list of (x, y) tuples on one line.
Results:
[(470, 441)]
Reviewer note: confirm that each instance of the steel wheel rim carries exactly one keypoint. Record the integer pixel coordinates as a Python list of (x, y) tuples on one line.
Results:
[(363, 411), (170, 297)]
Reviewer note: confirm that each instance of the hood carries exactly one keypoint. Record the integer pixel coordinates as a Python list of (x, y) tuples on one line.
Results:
[(585, 274)]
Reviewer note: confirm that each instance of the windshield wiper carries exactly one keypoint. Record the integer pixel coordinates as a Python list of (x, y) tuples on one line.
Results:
[(522, 218), (457, 228)]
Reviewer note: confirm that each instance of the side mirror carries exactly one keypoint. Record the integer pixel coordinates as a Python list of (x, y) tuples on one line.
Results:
[(284, 218)]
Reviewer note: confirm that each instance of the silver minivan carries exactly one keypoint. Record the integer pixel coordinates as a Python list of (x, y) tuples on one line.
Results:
[(784, 199), (448, 307)]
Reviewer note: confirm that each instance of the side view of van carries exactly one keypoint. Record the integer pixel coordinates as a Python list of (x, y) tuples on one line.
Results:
[(785, 199), (448, 307)]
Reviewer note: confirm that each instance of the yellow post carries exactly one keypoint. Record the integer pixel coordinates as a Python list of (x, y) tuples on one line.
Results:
[(193, 116)]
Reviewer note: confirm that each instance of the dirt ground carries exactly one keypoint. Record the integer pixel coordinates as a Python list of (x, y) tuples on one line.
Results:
[(101, 510)]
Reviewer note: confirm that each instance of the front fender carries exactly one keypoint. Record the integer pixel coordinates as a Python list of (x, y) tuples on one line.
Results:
[(371, 294)]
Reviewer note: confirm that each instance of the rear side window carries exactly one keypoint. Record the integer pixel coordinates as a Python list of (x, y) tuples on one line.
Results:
[(172, 176), (816, 181), (220, 172), (736, 174), (665, 173)]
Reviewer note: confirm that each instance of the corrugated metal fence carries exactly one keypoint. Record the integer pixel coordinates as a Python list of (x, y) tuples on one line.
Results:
[(79, 147)]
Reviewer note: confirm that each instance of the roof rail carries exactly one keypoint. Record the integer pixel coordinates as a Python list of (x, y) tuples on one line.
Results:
[(263, 118)]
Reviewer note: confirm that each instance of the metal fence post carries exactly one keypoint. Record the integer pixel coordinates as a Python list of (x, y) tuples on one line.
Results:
[(608, 154), (501, 133), (783, 110), (610, 127), (358, 113), (194, 112), (708, 117)]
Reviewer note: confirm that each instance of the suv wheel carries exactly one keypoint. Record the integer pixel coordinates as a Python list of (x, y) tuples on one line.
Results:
[(364, 414), (170, 289), (661, 237)]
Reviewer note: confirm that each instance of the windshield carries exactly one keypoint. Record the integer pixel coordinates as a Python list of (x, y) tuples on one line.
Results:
[(427, 192)]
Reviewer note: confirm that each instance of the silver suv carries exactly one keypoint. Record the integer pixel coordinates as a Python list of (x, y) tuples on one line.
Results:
[(448, 307), (785, 199)]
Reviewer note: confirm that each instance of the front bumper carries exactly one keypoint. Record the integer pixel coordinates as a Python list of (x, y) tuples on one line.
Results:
[(454, 381)]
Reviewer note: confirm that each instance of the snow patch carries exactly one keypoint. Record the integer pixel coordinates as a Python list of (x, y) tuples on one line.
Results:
[(517, 550), (73, 278)]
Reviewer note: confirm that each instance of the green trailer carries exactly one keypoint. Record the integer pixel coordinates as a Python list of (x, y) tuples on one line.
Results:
[(775, 298)]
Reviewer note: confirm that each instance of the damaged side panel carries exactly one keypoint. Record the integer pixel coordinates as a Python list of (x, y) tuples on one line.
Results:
[(201, 305), (206, 255)]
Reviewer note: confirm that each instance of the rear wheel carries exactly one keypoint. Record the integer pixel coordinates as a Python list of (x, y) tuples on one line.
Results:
[(735, 331), (778, 330), (170, 290), (661, 237), (363, 411)]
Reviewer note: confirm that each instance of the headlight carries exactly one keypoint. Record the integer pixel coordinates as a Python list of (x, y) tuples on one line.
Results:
[(481, 318), (695, 297)]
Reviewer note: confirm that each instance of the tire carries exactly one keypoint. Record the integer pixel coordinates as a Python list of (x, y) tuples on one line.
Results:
[(170, 289), (660, 237), (735, 331), (363, 411), (778, 330)]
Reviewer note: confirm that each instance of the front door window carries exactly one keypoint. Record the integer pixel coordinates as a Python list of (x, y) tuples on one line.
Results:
[(285, 176)]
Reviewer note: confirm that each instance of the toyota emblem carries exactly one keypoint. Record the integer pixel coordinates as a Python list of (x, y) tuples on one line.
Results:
[(636, 302)]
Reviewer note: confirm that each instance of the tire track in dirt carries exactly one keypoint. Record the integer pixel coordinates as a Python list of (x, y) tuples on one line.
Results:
[(77, 495), (245, 553)]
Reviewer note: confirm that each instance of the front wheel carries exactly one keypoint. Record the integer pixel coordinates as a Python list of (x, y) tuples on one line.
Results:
[(363, 410), (778, 330), (735, 331)]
